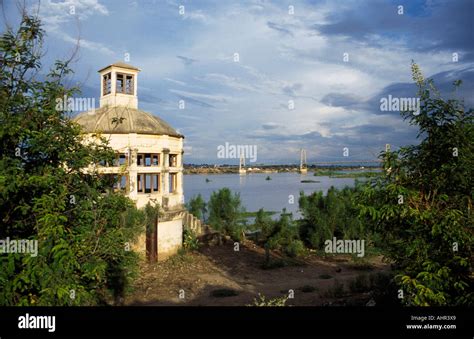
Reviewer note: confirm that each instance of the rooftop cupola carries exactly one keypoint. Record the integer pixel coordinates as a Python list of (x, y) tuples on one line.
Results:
[(118, 85)]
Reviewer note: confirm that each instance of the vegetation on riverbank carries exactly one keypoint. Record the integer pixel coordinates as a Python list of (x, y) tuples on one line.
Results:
[(349, 174), (265, 169)]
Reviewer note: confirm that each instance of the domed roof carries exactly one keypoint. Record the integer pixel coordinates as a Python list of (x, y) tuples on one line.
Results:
[(123, 120)]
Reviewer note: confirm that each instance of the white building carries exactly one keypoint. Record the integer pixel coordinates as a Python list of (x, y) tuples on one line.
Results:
[(149, 163)]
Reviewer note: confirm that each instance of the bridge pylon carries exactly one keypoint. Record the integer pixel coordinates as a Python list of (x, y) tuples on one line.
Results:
[(303, 164), (242, 170)]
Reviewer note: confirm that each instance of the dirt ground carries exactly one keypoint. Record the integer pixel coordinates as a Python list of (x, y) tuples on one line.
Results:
[(200, 273)]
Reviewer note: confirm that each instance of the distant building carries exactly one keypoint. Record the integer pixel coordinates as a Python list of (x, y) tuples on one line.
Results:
[(149, 162)]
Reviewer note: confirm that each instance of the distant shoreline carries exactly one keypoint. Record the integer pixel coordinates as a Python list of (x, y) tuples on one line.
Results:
[(228, 169)]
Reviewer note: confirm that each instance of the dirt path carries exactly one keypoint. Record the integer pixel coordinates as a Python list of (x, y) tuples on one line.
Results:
[(199, 274)]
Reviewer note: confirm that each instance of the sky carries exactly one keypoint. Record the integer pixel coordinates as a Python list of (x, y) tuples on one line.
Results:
[(276, 75)]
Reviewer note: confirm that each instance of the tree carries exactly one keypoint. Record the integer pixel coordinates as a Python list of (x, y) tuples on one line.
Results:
[(422, 206), (84, 230), (332, 215), (224, 212), (197, 206), (264, 223), (281, 234), (284, 236)]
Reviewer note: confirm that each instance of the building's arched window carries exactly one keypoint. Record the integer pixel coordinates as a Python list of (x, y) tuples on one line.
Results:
[(119, 83), (173, 160), (129, 84), (124, 83), (148, 159), (148, 182), (107, 83), (173, 182)]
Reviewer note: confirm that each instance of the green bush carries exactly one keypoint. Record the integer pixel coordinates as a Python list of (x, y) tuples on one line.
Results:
[(275, 302), (224, 211), (190, 241), (422, 205), (197, 207), (280, 235), (335, 214), (295, 249)]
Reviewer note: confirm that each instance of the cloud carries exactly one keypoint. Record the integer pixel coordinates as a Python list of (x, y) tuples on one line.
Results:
[(197, 15), (443, 82), (196, 102), (211, 97), (228, 81), (291, 89), (181, 83), (87, 44), (55, 15), (419, 27), (280, 29), (270, 126), (339, 100), (185, 60)]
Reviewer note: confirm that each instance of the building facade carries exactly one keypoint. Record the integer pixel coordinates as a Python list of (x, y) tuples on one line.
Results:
[(149, 154)]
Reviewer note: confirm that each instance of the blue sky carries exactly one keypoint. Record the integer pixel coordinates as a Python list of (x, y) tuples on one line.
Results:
[(282, 57)]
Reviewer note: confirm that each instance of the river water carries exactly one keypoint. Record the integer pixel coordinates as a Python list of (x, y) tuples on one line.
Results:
[(256, 192)]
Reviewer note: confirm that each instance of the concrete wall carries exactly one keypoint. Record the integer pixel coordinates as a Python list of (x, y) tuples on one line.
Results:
[(170, 238), (193, 223)]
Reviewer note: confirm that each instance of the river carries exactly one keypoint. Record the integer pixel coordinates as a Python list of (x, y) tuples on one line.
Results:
[(256, 192)]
